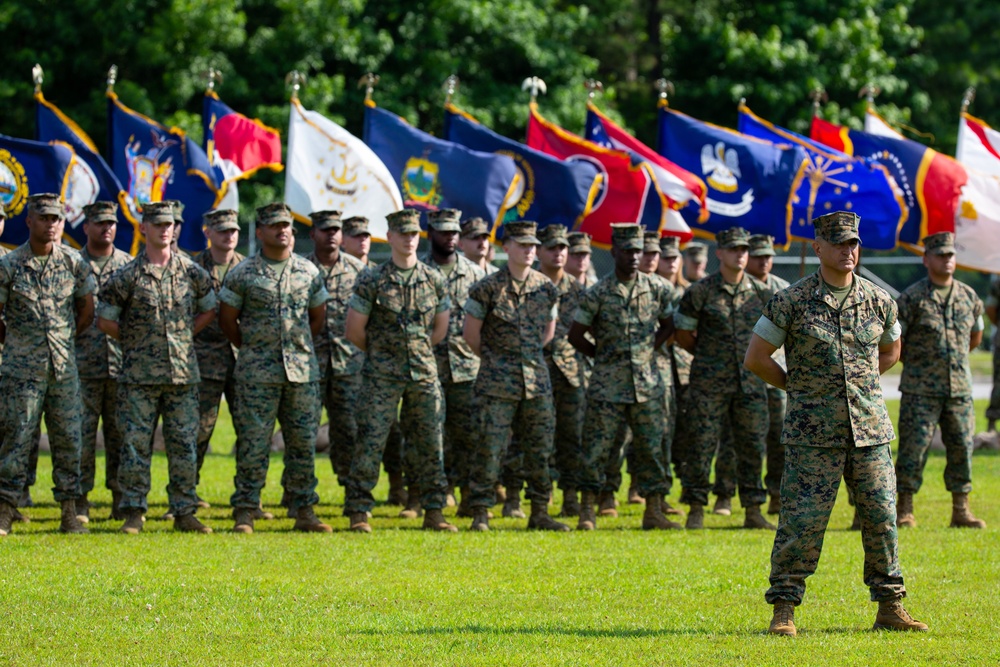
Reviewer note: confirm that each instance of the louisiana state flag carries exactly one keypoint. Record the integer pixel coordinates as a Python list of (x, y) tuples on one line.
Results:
[(750, 181), (28, 168), (237, 146), (155, 163), (433, 173), (834, 181), (931, 182), (551, 191), (90, 178)]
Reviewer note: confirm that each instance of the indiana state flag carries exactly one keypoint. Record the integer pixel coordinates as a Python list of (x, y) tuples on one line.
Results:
[(550, 191), (749, 181), (433, 173), (931, 182), (90, 178), (834, 181), (156, 163), (29, 168)]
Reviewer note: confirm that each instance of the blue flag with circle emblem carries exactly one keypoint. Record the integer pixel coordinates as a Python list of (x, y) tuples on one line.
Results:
[(156, 163), (551, 191), (433, 173), (91, 179), (749, 180), (835, 181), (29, 168)]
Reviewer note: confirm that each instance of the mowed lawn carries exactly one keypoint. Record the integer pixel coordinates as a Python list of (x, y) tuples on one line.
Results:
[(619, 596)]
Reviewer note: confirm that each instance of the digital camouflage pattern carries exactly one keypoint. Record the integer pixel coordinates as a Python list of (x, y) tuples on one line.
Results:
[(155, 309), (559, 352), (455, 360), (602, 428), (809, 487), (834, 391), (99, 356), (569, 386), (936, 332), (274, 319), (919, 415), (993, 301)]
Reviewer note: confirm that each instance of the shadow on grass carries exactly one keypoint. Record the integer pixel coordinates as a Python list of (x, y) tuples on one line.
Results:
[(602, 633)]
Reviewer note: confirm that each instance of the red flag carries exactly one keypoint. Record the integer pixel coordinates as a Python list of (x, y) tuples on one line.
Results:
[(627, 188)]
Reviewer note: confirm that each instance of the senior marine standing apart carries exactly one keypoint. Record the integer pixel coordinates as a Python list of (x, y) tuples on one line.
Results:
[(840, 333)]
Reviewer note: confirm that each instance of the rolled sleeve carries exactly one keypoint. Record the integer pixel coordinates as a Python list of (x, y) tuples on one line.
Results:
[(360, 304), (979, 325), (770, 331), (319, 297), (86, 286), (684, 322), (109, 312), (475, 309), (206, 303), (443, 305), (891, 334), (231, 298)]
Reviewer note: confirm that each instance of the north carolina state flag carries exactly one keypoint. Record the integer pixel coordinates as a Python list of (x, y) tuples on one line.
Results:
[(627, 195), (236, 145)]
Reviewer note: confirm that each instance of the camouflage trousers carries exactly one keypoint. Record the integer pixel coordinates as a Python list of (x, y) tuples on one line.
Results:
[(808, 492), (624, 451), (460, 431), (23, 404), (210, 393), (531, 422), (392, 457), (747, 415), (296, 405), (420, 421), (601, 427), (177, 404), (570, 405), (100, 403), (340, 398), (918, 415), (993, 411), (725, 459)]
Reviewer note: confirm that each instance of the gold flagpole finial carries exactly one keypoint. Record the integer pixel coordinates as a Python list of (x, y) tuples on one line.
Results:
[(38, 76), (112, 78), (535, 85), (967, 98), (212, 77), (593, 87), (368, 82), (450, 86), (295, 80), (818, 96), (869, 91), (666, 89)]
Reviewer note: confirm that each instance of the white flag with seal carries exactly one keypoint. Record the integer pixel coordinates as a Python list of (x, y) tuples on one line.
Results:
[(977, 221), (328, 168)]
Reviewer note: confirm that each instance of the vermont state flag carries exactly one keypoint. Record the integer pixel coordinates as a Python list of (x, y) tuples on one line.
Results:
[(834, 181), (550, 191), (433, 173), (749, 181), (90, 178), (155, 163), (30, 168)]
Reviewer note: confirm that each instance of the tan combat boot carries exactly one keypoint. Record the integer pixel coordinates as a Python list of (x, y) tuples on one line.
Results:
[(961, 515), (540, 519), (480, 520), (696, 517), (512, 506), (412, 509), (892, 616), (606, 504), (754, 519), (723, 506), (308, 522), (243, 520), (260, 514), (571, 503), (783, 622), (68, 523), (434, 520), (116, 510), (667, 508), (6, 518), (588, 519), (464, 509), (189, 524), (133, 521), (397, 490), (201, 503), (653, 519), (774, 504), (633, 496), (83, 509), (359, 523), (904, 511), (501, 494)]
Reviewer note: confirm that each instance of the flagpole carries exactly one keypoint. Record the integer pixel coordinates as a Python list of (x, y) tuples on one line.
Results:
[(817, 95), (37, 76), (450, 87), (967, 98), (368, 82)]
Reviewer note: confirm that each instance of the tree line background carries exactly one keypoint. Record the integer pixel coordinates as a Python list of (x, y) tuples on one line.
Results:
[(921, 53)]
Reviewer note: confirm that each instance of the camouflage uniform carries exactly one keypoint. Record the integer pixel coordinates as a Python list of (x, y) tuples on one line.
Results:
[(39, 372), (155, 308), (993, 301), (836, 425), (724, 316), (216, 356), (937, 382), (99, 360), (277, 375), (399, 364)]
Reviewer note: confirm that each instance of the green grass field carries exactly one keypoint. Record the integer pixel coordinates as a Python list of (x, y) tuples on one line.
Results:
[(619, 596)]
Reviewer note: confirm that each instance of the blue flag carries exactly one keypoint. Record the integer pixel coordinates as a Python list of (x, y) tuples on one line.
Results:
[(91, 179), (749, 180), (28, 168), (433, 173), (156, 163), (551, 191), (834, 181)]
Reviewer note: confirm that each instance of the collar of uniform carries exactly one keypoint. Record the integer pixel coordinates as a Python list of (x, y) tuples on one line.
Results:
[(933, 295), (146, 266), (743, 284), (205, 260), (531, 282), (460, 269), (640, 286), (30, 262), (340, 266), (393, 275), (566, 284), (819, 292)]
